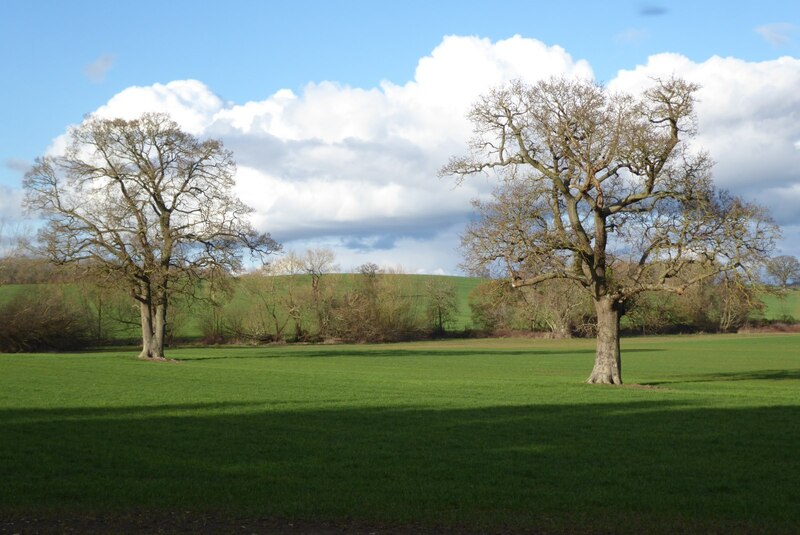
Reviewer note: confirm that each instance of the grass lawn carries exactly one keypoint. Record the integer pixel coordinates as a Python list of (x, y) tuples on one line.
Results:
[(481, 435)]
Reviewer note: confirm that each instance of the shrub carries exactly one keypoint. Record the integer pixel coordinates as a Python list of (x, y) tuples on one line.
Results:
[(41, 319)]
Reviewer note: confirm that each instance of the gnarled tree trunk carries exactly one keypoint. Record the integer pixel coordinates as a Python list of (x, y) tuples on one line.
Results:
[(153, 331), (607, 362)]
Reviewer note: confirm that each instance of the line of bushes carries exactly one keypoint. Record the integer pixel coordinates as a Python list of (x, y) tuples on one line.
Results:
[(561, 309), (298, 300)]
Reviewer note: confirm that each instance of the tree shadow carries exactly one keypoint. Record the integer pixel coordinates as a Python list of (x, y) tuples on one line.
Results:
[(372, 352), (759, 375), (514, 466)]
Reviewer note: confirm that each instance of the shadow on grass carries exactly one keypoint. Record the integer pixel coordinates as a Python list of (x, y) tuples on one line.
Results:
[(759, 375), (332, 351), (500, 466)]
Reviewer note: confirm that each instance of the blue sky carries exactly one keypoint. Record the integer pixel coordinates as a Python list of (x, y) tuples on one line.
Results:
[(62, 60)]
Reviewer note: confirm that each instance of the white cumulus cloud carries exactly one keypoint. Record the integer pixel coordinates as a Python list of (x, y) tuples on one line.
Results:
[(189, 102), (356, 168), (748, 119), (358, 165)]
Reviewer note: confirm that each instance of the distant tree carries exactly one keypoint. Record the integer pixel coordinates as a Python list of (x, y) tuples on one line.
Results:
[(316, 264), (4, 251), (376, 307), (733, 300), (294, 298), (492, 304), (12, 236), (602, 189), (558, 305), (784, 270), (210, 302), (148, 204), (265, 318), (106, 309), (370, 270), (442, 303)]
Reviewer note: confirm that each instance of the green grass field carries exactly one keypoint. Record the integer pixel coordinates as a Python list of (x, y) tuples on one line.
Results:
[(480, 435), (783, 306)]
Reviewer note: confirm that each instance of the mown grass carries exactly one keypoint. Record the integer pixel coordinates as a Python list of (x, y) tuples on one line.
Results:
[(484, 434)]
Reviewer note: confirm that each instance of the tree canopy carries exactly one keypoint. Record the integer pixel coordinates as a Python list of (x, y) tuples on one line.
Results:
[(144, 204), (603, 189)]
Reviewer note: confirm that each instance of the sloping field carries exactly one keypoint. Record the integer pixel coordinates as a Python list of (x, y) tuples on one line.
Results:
[(479, 435), (783, 306)]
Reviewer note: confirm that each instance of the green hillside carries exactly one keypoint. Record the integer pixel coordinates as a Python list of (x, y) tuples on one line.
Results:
[(410, 286), (782, 306)]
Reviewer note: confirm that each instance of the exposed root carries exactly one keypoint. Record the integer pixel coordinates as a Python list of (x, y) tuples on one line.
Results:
[(604, 379)]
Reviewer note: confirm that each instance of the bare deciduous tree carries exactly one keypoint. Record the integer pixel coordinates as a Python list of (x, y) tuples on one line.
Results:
[(442, 303), (784, 269), (13, 238), (602, 189), (316, 263), (149, 204), (293, 296), (557, 305)]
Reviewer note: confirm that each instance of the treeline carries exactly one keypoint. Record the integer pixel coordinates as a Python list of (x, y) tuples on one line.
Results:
[(60, 316), (308, 305), (303, 298), (295, 299), (561, 309)]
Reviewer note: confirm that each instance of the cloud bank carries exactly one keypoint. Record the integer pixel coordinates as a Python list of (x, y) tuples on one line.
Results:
[(355, 169), (749, 121)]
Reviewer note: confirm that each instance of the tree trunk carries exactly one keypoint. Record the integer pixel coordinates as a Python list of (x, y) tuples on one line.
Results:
[(607, 362), (152, 332), (159, 329)]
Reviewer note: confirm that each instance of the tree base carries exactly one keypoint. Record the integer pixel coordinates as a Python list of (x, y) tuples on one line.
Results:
[(604, 379), (155, 358)]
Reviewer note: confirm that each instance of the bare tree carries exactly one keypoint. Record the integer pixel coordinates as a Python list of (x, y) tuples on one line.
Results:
[(316, 263), (294, 298), (602, 189), (266, 318), (558, 305), (733, 302), (13, 239), (442, 303), (4, 251), (147, 204), (784, 270)]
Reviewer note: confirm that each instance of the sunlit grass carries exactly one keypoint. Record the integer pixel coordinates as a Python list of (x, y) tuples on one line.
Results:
[(479, 432), (782, 306)]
